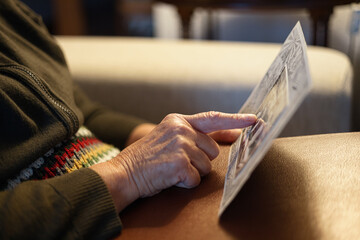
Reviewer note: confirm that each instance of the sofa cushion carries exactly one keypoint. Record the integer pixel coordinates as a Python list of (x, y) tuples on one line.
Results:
[(151, 78)]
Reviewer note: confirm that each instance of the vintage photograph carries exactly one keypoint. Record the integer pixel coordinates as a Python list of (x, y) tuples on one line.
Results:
[(274, 100), (269, 111)]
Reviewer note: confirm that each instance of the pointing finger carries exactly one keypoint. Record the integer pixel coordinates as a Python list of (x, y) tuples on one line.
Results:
[(208, 122)]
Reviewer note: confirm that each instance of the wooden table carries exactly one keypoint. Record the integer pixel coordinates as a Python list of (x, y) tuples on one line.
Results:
[(305, 188), (319, 10)]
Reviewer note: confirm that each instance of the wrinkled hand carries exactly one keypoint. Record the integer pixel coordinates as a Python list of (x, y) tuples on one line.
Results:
[(177, 152)]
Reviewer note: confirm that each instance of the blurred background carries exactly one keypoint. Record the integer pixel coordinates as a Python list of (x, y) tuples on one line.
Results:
[(158, 19), (335, 27)]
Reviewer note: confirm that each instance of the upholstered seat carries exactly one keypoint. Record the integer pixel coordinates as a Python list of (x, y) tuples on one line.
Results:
[(305, 188), (151, 78)]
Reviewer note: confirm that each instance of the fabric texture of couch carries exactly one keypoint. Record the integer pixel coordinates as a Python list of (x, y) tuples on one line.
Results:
[(150, 78)]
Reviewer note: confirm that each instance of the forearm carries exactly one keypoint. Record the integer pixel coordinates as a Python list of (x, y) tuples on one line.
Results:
[(109, 126), (113, 128)]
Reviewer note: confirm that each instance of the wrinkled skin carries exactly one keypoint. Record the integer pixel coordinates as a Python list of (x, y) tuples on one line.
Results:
[(177, 152)]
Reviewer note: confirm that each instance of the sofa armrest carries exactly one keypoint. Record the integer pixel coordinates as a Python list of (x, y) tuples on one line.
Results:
[(304, 188)]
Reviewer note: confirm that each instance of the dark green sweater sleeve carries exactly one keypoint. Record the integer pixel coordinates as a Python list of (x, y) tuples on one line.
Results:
[(76, 205), (72, 206), (109, 126)]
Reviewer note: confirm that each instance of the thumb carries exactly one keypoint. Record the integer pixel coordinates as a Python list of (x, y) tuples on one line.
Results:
[(208, 122)]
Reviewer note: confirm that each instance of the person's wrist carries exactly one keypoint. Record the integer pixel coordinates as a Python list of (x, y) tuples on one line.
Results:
[(116, 176)]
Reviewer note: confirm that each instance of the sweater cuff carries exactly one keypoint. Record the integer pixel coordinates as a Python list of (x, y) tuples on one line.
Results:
[(93, 210)]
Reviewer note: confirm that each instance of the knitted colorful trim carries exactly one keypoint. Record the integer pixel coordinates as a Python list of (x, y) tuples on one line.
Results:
[(81, 151)]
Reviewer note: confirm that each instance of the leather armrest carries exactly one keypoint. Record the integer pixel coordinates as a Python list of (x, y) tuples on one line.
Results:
[(305, 188)]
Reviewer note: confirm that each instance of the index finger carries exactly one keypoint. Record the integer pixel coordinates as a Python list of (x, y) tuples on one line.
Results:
[(208, 122)]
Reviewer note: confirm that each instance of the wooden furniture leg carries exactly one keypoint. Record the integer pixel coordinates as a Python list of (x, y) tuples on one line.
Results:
[(69, 17), (185, 14), (320, 20)]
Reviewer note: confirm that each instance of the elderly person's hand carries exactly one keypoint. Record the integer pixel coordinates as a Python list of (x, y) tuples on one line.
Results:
[(177, 152)]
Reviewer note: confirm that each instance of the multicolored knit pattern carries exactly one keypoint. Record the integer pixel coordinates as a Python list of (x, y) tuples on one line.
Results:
[(81, 151)]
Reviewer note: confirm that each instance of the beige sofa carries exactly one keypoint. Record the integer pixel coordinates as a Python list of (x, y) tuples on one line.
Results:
[(305, 188), (151, 78)]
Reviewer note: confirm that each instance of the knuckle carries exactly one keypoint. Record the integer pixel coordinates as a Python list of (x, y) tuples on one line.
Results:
[(216, 151), (171, 117), (182, 129), (182, 143), (194, 181), (176, 124), (207, 168), (213, 114), (182, 161)]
